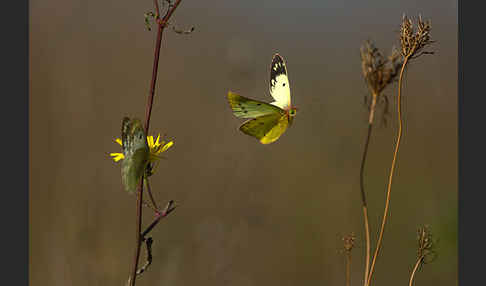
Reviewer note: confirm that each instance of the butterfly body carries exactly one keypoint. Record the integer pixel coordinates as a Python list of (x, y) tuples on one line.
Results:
[(268, 120), (136, 152)]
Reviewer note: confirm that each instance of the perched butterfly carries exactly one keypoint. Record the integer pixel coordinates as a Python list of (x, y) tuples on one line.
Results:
[(136, 152), (269, 121)]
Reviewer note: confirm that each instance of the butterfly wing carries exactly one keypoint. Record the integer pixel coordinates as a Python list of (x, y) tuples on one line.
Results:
[(267, 128), (249, 108), (126, 124), (279, 82), (136, 153)]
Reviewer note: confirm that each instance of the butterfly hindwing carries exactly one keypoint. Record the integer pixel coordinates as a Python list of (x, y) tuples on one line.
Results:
[(249, 108), (267, 128), (279, 82)]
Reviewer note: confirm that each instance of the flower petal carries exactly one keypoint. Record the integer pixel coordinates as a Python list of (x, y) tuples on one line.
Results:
[(117, 156), (118, 140), (150, 141), (167, 146)]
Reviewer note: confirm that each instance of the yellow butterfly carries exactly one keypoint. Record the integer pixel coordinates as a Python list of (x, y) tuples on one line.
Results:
[(269, 121), (136, 152)]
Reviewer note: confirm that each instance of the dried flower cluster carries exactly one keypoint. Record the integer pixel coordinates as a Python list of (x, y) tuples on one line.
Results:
[(349, 242), (378, 71), (413, 42), (426, 245)]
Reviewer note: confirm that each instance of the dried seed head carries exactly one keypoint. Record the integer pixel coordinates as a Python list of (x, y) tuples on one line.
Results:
[(426, 245), (378, 71), (414, 40), (349, 242)]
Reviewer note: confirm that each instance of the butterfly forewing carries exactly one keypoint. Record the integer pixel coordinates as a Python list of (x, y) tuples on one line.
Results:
[(279, 82), (249, 108), (126, 126)]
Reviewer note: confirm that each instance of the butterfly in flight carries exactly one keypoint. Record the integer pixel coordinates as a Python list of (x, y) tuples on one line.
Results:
[(268, 120)]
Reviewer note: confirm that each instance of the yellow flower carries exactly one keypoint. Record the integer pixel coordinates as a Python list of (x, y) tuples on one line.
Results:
[(156, 148)]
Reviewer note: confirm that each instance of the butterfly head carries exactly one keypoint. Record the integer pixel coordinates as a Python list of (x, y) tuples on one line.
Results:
[(292, 111)]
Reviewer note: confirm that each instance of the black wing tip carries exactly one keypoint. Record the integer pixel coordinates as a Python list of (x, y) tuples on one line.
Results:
[(277, 58), (277, 55)]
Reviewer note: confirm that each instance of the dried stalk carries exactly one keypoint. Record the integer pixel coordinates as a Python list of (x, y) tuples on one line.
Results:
[(378, 73), (412, 45)]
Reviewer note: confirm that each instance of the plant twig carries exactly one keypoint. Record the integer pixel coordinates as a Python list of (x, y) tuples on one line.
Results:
[(392, 169), (348, 247), (363, 197), (148, 244), (378, 73), (161, 25), (168, 209), (417, 264), (413, 43), (348, 268), (368, 247)]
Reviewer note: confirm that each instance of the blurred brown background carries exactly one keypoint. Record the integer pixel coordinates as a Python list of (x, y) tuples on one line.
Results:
[(249, 214)]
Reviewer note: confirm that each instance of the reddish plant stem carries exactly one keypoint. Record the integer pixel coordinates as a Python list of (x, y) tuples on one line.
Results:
[(133, 276), (170, 208), (160, 29), (157, 9), (161, 25), (155, 68)]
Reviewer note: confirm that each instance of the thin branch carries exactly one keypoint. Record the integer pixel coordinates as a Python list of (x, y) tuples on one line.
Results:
[(368, 246), (363, 196), (168, 209), (413, 42), (133, 276), (157, 9), (161, 25), (348, 268), (148, 245), (348, 247), (361, 182), (378, 72), (392, 169), (419, 261), (160, 29)]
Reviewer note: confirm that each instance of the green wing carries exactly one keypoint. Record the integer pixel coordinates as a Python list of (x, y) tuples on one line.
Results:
[(132, 169), (126, 126), (249, 108), (267, 128), (136, 153)]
